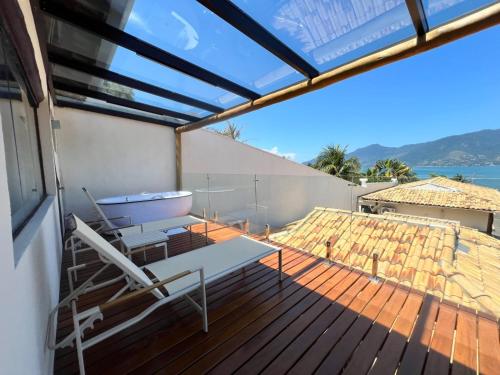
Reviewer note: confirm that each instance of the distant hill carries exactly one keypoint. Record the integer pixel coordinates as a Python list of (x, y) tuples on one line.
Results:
[(478, 148)]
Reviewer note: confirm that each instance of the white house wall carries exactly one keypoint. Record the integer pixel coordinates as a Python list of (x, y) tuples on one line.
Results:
[(111, 156), (468, 218), (204, 151), (30, 266), (285, 191)]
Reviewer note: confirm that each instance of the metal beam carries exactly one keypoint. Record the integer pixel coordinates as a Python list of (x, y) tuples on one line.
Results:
[(418, 18), (64, 84), (462, 27), (57, 56), (112, 112), (142, 48), (252, 29)]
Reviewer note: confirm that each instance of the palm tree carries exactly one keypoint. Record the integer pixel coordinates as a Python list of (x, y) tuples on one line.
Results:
[(231, 130), (393, 168), (332, 160)]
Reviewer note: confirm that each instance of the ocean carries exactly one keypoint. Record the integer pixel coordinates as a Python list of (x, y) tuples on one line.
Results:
[(480, 175)]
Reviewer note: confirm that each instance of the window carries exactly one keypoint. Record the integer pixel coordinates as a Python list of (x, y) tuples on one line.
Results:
[(20, 137)]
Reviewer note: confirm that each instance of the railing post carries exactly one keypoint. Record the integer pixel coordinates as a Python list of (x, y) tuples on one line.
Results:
[(375, 265), (328, 250), (204, 213), (216, 216), (374, 277), (267, 232), (246, 227)]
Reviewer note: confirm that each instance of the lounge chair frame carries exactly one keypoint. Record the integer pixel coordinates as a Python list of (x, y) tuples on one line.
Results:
[(139, 283)]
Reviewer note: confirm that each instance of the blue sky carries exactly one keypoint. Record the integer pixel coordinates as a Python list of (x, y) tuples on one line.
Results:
[(450, 90)]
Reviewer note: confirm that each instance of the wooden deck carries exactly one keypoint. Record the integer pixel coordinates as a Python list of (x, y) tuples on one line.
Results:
[(322, 318)]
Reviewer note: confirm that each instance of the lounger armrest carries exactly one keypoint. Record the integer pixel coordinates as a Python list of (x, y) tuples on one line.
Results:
[(116, 229), (143, 291), (129, 218)]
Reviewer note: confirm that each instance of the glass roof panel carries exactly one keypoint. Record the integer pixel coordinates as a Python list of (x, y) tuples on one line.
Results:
[(331, 33), (78, 99), (115, 89), (190, 31), (107, 55), (439, 12)]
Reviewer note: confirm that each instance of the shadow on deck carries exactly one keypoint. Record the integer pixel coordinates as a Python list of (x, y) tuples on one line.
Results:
[(322, 318)]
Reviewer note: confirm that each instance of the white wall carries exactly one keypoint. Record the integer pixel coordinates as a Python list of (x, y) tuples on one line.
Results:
[(30, 265), (370, 187), (285, 191), (111, 156), (204, 151), (468, 218)]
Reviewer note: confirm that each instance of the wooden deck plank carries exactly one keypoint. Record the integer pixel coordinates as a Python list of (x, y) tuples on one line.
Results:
[(320, 317), (184, 345), (341, 352), (233, 310), (157, 322), (217, 353), (256, 361), (184, 353), (342, 297), (438, 360), (416, 351), (365, 354), (185, 327), (318, 351), (465, 351), (489, 348), (390, 354)]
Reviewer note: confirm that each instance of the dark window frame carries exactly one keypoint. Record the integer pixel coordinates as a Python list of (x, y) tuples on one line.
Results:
[(26, 85)]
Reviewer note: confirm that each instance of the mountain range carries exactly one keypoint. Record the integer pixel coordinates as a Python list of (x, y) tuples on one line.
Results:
[(477, 148)]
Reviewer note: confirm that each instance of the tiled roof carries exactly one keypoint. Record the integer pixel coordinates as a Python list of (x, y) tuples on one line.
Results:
[(436, 256), (443, 192)]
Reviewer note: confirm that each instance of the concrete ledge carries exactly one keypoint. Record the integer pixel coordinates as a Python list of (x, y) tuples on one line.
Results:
[(29, 231)]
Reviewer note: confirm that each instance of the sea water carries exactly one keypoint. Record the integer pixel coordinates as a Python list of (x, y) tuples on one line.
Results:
[(480, 175)]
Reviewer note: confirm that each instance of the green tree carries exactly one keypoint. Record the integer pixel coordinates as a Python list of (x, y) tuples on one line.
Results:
[(231, 130), (392, 168), (333, 160)]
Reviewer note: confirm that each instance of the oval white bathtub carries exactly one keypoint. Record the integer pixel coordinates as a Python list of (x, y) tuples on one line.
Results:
[(148, 206)]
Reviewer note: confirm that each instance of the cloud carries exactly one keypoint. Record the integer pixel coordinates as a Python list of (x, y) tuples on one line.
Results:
[(286, 155), (136, 20)]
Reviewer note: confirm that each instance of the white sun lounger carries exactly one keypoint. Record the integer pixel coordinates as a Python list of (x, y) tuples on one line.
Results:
[(139, 236), (177, 275)]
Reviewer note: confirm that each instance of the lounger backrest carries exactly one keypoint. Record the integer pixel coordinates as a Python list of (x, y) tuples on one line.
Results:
[(108, 251), (108, 223)]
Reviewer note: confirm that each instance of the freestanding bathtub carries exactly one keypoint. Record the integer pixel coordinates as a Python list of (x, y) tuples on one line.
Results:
[(146, 207)]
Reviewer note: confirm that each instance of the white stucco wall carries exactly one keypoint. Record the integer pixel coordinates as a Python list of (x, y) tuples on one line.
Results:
[(30, 266), (285, 191), (468, 218), (204, 151), (111, 156)]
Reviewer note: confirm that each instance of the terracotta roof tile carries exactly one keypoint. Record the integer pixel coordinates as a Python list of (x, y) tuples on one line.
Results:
[(436, 256), (440, 191)]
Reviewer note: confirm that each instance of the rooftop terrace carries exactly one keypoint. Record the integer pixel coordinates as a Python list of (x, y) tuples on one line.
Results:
[(323, 317)]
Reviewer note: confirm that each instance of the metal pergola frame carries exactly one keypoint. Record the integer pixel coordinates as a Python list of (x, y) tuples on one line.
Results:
[(424, 40)]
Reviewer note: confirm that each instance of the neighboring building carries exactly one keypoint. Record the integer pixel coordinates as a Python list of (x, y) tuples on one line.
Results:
[(439, 257), (472, 205)]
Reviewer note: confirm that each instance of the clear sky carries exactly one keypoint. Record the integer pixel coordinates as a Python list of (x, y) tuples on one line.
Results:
[(451, 90)]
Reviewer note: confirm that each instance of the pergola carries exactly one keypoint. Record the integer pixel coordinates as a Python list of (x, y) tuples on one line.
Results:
[(188, 64)]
